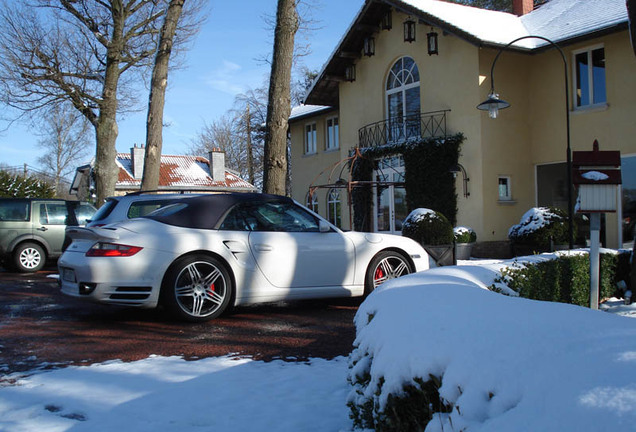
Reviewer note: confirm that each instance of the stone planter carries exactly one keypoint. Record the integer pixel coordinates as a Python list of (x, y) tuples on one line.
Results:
[(442, 254), (463, 251)]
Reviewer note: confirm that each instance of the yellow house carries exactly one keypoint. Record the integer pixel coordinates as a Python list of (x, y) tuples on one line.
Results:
[(408, 71)]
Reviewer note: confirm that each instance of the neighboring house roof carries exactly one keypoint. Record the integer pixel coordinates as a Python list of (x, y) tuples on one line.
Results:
[(180, 172), (302, 111), (562, 21), (188, 173)]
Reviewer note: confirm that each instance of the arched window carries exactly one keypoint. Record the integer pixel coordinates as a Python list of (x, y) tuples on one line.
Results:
[(311, 201), (403, 100), (334, 207)]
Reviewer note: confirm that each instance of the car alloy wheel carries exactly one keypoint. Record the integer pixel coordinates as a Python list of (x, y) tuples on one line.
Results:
[(199, 288), (29, 257), (385, 266)]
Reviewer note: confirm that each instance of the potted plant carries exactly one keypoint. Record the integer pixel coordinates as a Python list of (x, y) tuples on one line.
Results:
[(433, 231), (465, 238), (541, 229)]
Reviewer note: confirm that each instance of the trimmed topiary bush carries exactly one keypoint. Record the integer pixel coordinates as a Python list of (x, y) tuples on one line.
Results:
[(541, 228), (428, 227), (464, 235)]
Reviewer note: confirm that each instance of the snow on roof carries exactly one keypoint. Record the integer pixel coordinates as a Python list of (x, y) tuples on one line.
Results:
[(557, 20), (302, 110), (183, 172), (485, 25), (565, 19)]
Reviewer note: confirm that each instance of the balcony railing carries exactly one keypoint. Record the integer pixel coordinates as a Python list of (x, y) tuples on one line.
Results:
[(401, 129)]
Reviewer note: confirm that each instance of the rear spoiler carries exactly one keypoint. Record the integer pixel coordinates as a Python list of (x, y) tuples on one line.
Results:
[(81, 233)]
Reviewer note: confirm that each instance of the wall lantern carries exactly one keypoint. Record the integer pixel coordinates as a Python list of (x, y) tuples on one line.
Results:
[(350, 73), (369, 46), (409, 30), (457, 169), (431, 40), (387, 21)]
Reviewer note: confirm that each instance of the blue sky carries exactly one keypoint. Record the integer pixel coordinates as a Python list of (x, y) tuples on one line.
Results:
[(224, 61)]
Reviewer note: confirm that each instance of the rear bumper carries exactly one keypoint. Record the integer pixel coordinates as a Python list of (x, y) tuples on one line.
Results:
[(110, 281)]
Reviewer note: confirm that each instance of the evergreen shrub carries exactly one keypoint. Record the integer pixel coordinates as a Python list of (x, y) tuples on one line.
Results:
[(428, 227)]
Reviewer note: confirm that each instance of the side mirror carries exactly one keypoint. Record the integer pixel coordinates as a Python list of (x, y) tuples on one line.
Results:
[(323, 227)]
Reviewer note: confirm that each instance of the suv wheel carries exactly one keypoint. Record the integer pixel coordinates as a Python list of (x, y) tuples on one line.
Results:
[(29, 257)]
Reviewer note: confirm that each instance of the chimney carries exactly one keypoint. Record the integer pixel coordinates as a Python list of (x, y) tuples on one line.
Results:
[(137, 159), (217, 164), (522, 7)]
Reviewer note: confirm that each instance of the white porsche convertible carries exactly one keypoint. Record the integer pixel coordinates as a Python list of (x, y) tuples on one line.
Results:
[(204, 254)]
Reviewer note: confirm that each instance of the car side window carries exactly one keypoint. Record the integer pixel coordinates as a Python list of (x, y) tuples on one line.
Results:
[(15, 211), (53, 214), (83, 213), (283, 216), (235, 220), (142, 208)]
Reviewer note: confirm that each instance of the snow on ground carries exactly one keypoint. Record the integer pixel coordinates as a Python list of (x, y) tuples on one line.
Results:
[(549, 366)]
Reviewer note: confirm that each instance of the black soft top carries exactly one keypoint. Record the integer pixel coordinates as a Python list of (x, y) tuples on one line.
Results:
[(208, 211)]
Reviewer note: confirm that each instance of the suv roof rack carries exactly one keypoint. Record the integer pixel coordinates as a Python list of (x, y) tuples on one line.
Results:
[(141, 192)]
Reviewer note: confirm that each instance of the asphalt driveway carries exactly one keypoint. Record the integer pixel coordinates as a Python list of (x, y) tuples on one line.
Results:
[(39, 327)]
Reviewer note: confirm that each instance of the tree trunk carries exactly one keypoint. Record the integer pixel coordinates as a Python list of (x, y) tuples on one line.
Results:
[(631, 14), (158, 84), (279, 98), (250, 152)]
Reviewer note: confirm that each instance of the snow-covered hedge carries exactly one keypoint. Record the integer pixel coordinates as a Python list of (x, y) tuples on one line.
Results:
[(564, 277), (428, 227), (434, 351), (539, 226)]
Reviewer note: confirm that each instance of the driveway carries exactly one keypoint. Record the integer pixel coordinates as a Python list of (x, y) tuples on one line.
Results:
[(39, 327)]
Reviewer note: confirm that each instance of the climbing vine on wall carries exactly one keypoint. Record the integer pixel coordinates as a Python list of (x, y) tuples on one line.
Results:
[(427, 177)]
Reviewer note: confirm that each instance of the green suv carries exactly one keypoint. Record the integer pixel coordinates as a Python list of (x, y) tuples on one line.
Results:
[(32, 229)]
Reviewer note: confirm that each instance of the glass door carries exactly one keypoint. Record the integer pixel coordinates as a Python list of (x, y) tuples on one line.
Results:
[(389, 201)]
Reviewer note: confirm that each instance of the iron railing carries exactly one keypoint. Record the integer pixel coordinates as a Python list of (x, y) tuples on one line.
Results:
[(404, 128)]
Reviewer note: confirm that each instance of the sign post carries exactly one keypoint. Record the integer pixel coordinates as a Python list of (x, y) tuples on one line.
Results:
[(597, 175)]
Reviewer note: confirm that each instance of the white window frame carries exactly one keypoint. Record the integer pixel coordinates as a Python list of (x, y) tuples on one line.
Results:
[(311, 201), (508, 196), (590, 78), (334, 207), (310, 133), (332, 133)]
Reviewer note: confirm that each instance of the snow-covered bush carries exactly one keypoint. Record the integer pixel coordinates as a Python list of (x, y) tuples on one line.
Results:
[(464, 235), (435, 351), (540, 226), (428, 227)]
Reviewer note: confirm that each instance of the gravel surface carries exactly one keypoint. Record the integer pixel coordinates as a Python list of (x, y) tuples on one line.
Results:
[(41, 328)]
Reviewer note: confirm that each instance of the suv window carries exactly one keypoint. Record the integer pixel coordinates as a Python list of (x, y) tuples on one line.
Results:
[(84, 213), (53, 214), (15, 210)]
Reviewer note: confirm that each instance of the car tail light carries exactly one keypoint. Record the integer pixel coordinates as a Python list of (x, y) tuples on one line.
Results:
[(102, 249)]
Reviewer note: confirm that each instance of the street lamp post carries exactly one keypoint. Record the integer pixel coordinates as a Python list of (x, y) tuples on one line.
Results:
[(493, 104)]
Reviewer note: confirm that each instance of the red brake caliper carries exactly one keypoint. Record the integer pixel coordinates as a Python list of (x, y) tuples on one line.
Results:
[(379, 274)]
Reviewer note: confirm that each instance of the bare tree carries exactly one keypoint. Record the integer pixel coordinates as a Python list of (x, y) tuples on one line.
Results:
[(65, 140), (159, 82), (83, 52), (279, 104)]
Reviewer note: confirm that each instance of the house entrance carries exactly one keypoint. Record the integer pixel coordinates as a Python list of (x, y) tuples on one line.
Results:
[(389, 196)]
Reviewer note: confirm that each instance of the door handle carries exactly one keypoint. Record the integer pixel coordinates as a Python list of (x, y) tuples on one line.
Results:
[(263, 248), (42, 229)]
